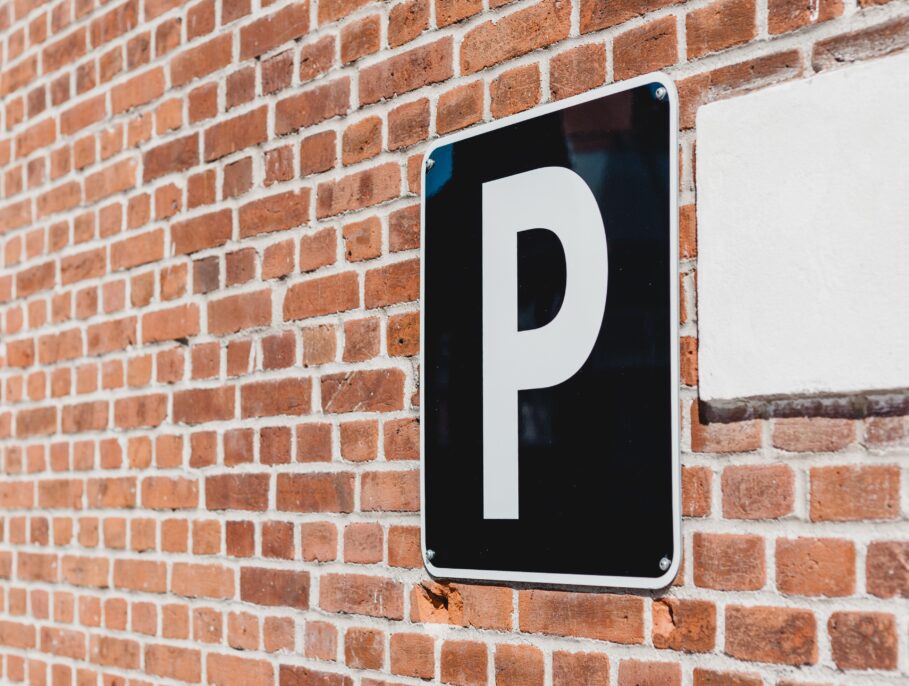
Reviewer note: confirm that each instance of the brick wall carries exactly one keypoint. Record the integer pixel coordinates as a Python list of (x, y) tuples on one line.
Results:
[(208, 301)]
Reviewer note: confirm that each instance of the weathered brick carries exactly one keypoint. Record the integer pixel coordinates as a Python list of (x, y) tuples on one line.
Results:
[(852, 493), (515, 34), (815, 566), (771, 634), (615, 618), (863, 640), (407, 71), (313, 106)]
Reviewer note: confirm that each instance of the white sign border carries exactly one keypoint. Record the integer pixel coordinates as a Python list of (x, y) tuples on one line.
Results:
[(650, 583)]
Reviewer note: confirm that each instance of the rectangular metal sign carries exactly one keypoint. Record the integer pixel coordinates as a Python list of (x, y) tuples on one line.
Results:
[(549, 374)]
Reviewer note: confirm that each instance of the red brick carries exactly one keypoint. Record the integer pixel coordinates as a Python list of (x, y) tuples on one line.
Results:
[(687, 625), (223, 670), (582, 68), (408, 124), (272, 398), (785, 15), (465, 663), (169, 493), (60, 493), (721, 25), (361, 595), (615, 618), (137, 250), (886, 432), (412, 655), (171, 324), (329, 492), (205, 231), (758, 491), (115, 23), (729, 562), (275, 587), (404, 547), (515, 34), (317, 58), (639, 673), (817, 435), (276, 29), (275, 213), (360, 38), (320, 296), (203, 405), (108, 651), (277, 72), (359, 440), (363, 543), (596, 14), (703, 677), (850, 493), (771, 634), (815, 566), (36, 567), (115, 493), (313, 106), (395, 283), (887, 569), (359, 190), (406, 21), (590, 669), (230, 135), (146, 576), (863, 640), (648, 48), (302, 676), (696, 491), (317, 153), (35, 279), (319, 541), (140, 411), (91, 416), (202, 581), (407, 71), (875, 41), (515, 90), (174, 156), (201, 60), (364, 648), (182, 664), (518, 666), (40, 421), (83, 115), (238, 312), (332, 10), (139, 90), (111, 336), (403, 337), (736, 437), (237, 492)]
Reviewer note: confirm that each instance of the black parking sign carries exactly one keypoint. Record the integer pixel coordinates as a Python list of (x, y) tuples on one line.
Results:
[(550, 344)]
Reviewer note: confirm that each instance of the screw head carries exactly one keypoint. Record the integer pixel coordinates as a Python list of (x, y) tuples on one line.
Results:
[(430, 163), (661, 93), (430, 553), (664, 563)]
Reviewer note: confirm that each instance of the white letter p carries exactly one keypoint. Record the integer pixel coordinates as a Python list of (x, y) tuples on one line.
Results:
[(559, 200)]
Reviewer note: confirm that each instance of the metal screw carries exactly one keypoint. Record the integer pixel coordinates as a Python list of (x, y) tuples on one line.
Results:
[(660, 93), (430, 163), (664, 563), (430, 553)]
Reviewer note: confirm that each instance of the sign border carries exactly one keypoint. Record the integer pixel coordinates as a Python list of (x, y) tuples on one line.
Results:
[(649, 583)]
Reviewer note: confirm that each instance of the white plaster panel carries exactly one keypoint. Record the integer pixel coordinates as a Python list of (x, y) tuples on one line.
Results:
[(803, 236)]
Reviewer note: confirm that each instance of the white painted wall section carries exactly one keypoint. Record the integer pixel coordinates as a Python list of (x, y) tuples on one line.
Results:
[(803, 236)]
